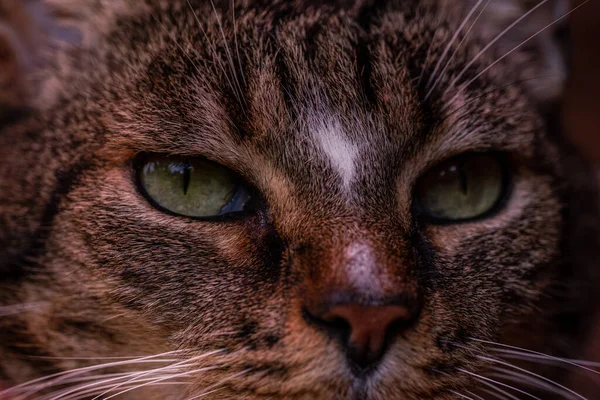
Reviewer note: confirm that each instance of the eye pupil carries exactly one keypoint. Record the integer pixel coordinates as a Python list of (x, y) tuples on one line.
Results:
[(463, 180), (187, 173)]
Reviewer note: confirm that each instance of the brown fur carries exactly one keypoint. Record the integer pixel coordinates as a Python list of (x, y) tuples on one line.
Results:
[(110, 275)]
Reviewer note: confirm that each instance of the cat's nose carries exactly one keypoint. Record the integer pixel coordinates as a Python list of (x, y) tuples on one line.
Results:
[(365, 330)]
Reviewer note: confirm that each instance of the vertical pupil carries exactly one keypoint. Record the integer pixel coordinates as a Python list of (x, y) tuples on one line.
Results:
[(186, 176), (463, 178)]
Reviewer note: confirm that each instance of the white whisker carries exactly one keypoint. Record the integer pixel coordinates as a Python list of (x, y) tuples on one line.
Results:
[(510, 51), (515, 376), (180, 364), (71, 391), (461, 395), (211, 389), (78, 391), (493, 41), (235, 40), (113, 317), (431, 82), (213, 49), (85, 394), (95, 358), (548, 359), (532, 374), (78, 379), (498, 393), (448, 63), (535, 354), (182, 374), (474, 395), (53, 379), (472, 100), (483, 379), (228, 53)]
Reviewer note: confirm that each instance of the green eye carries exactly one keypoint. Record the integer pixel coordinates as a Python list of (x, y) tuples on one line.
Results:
[(192, 187), (462, 188)]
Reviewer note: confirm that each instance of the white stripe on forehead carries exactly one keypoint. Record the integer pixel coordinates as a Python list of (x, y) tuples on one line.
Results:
[(340, 152)]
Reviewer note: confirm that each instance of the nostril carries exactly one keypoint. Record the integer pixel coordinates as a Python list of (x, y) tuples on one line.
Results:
[(336, 327), (338, 324), (363, 330)]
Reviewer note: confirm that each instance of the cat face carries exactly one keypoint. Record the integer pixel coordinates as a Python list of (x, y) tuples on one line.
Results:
[(303, 200)]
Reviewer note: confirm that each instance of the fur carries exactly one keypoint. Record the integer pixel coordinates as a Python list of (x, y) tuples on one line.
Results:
[(324, 109)]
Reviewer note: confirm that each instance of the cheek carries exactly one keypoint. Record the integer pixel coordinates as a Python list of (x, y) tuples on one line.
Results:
[(530, 217), (176, 270), (508, 256)]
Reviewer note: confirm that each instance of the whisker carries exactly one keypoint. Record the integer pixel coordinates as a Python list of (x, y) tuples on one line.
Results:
[(78, 380), (60, 376), (512, 50), (470, 101), (85, 394), (452, 40), (213, 49), (183, 51), (93, 358), (208, 390), (113, 317), (73, 391), (496, 395), (515, 376), (461, 395), (176, 365), (525, 352), (448, 63), (532, 374), (235, 40), (228, 53), (182, 374), (499, 393), (432, 82), (493, 41), (551, 359), (488, 380), (474, 395)]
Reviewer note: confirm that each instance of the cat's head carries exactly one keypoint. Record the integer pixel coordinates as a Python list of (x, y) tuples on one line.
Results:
[(307, 200)]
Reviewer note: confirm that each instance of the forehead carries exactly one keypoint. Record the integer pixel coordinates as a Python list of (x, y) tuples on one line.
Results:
[(307, 91)]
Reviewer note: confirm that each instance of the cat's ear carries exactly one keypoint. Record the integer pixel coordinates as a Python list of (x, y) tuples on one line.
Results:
[(34, 36), (31, 34), (543, 38), (18, 49)]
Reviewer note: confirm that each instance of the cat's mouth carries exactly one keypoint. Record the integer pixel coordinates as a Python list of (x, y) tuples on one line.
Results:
[(376, 382), (356, 389)]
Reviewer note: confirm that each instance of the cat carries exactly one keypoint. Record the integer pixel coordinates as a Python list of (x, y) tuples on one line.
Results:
[(289, 200)]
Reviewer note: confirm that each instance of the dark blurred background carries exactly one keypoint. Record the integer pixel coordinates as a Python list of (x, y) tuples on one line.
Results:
[(582, 118), (583, 100)]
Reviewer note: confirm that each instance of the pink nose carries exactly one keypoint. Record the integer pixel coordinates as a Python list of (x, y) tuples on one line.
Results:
[(365, 329)]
